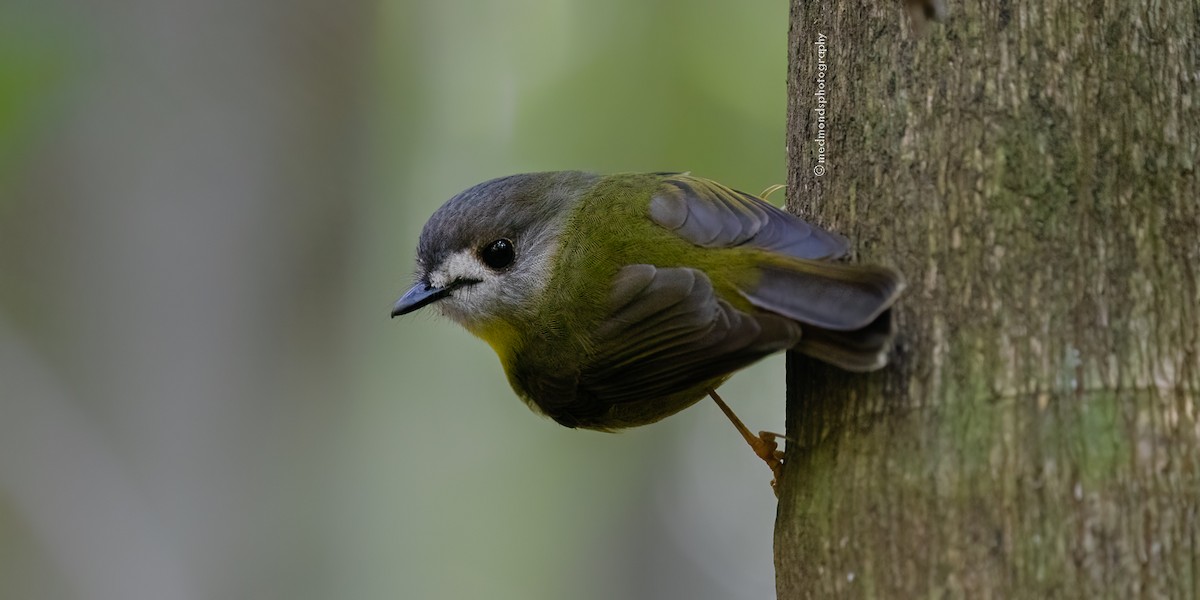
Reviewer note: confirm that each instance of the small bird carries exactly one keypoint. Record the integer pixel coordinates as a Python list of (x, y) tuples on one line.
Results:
[(615, 301)]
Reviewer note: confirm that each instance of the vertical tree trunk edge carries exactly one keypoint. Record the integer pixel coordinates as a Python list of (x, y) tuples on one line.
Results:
[(1031, 169)]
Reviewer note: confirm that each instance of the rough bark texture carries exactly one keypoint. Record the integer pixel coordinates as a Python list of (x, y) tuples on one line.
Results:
[(1031, 168)]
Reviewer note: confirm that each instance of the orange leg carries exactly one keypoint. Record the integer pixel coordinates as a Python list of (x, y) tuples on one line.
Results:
[(764, 444)]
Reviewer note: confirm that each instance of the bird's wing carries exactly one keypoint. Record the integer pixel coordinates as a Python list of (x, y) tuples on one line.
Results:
[(668, 331), (842, 308), (804, 283), (711, 215)]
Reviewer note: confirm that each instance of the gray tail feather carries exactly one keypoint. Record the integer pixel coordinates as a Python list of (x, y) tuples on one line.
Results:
[(864, 349), (844, 310), (828, 295)]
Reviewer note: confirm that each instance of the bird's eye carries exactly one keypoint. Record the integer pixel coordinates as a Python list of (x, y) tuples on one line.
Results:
[(498, 254)]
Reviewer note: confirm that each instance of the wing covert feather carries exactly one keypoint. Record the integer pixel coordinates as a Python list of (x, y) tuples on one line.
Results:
[(711, 215)]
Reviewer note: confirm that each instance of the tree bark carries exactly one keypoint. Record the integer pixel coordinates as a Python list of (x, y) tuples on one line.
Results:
[(1031, 168)]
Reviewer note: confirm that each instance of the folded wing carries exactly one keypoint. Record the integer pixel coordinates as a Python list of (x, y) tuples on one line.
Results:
[(668, 331), (844, 309)]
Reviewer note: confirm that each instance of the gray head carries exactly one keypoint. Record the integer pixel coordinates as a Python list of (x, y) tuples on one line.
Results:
[(488, 251)]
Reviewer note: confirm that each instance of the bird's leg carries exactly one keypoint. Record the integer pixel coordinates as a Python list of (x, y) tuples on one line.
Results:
[(764, 444)]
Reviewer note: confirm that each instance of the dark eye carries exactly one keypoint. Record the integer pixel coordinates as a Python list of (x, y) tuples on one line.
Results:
[(498, 254)]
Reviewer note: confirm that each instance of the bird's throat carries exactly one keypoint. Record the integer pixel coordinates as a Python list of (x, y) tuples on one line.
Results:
[(501, 336)]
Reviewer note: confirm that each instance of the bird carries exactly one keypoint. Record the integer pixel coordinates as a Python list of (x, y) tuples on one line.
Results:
[(614, 301)]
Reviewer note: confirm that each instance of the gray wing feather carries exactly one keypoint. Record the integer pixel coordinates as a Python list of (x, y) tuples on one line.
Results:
[(668, 330), (832, 296), (844, 309), (711, 215)]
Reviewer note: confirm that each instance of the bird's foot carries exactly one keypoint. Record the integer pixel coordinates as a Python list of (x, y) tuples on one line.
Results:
[(765, 445)]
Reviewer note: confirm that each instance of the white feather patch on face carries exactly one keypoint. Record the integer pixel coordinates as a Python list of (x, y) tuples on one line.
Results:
[(505, 294), (463, 264)]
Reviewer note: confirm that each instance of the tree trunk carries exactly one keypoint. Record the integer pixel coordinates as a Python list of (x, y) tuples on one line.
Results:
[(1031, 168)]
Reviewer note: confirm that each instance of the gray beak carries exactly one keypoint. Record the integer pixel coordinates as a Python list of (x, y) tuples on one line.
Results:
[(417, 296)]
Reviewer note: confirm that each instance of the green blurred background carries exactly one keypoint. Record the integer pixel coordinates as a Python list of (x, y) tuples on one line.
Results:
[(207, 209)]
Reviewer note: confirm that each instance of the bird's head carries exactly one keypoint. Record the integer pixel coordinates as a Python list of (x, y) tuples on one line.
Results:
[(487, 254)]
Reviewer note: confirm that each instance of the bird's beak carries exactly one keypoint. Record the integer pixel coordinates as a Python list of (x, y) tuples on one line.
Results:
[(417, 296)]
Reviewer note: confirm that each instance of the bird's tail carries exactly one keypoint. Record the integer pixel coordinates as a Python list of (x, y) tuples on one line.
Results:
[(844, 310), (863, 349)]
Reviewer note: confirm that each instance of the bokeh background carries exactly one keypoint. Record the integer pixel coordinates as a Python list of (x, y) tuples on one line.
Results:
[(207, 209)]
